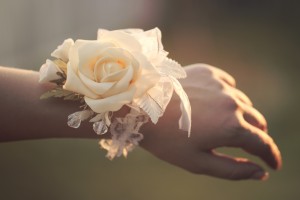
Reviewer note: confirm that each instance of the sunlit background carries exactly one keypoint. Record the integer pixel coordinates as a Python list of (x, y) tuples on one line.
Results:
[(255, 41)]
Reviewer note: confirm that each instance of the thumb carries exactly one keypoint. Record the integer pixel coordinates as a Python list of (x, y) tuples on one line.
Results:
[(223, 166)]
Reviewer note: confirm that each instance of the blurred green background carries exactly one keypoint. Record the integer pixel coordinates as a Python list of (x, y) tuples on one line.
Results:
[(255, 41)]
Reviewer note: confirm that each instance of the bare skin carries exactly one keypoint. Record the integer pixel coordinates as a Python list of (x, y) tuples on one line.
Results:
[(221, 116)]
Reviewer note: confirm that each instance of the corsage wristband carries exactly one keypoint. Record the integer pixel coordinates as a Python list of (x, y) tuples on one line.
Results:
[(121, 68)]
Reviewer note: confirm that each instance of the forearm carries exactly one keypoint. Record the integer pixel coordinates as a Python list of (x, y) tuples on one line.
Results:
[(25, 116)]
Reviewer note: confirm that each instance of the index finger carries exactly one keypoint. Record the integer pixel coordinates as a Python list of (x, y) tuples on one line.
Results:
[(257, 142), (225, 77)]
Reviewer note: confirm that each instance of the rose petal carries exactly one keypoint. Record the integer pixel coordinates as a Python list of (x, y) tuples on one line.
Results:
[(102, 32), (88, 54), (148, 78), (73, 83), (62, 51), (155, 34), (48, 72), (112, 103), (122, 84), (73, 53), (121, 39), (113, 76), (96, 88), (152, 46), (132, 30)]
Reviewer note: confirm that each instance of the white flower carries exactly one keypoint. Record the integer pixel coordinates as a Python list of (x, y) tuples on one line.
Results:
[(122, 67), (48, 72), (115, 69), (62, 51), (147, 42)]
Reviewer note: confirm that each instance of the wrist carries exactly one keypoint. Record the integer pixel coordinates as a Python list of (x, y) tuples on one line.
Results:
[(123, 80)]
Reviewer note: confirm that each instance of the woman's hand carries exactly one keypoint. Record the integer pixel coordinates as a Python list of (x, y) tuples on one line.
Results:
[(221, 116)]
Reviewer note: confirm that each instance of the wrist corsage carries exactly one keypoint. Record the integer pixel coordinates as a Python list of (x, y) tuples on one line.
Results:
[(121, 68)]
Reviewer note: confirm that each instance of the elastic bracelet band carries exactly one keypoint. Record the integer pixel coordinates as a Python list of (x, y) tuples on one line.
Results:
[(126, 67)]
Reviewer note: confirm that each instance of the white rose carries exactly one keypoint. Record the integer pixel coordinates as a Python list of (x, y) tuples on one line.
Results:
[(62, 51), (48, 72), (115, 69)]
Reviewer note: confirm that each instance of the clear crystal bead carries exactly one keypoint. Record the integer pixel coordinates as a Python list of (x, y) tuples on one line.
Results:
[(74, 120), (100, 127)]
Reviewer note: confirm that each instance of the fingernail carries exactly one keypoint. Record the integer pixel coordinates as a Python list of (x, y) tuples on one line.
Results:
[(260, 175)]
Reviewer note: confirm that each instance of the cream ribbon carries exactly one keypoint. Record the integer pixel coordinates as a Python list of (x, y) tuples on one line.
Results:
[(185, 121)]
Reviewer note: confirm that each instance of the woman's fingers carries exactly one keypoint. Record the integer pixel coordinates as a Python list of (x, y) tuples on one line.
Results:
[(226, 167), (242, 97), (227, 78), (255, 118), (256, 142), (209, 70), (266, 148)]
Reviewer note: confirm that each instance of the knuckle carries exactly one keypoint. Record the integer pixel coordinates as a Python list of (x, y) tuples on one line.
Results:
[(267, 147), (236, 131), (217, 84), (259, 120), (263, 122), (233, 81), (228, 78), (230, 102), (263, 126), (244, 97), (204, 69)]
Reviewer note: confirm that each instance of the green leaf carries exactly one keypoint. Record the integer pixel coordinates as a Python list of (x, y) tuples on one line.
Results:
[(72, 97), (60, 92), (47, 94)]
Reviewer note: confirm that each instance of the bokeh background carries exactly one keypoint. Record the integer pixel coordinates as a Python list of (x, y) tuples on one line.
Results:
[(255, 41)]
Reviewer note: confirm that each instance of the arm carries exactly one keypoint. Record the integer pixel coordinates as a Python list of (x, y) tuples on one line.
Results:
[(222, 116), (25, 116)]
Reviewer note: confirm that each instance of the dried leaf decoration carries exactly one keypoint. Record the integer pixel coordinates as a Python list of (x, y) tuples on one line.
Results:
[(60, 92)]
